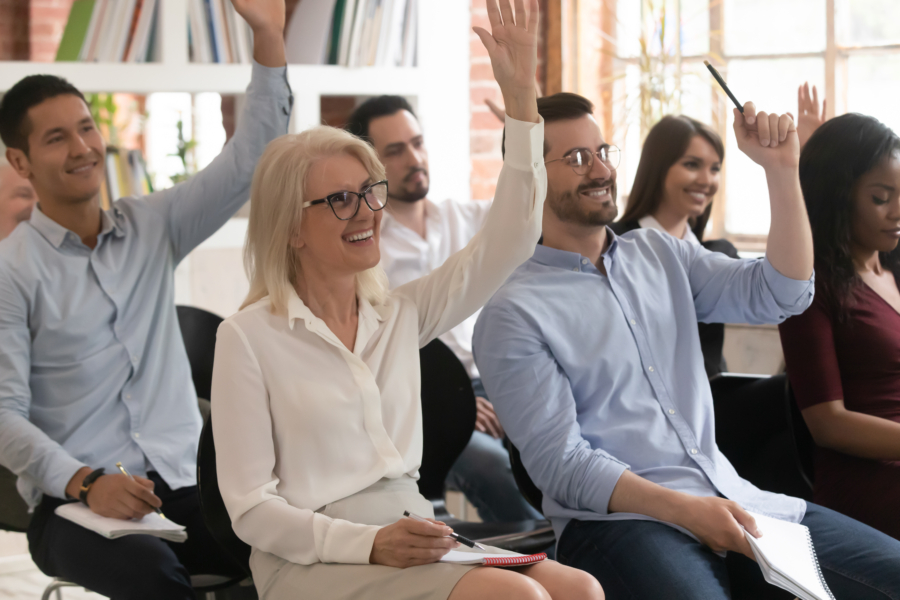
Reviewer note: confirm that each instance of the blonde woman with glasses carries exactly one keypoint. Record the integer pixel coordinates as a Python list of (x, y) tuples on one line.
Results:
[(316, 408)]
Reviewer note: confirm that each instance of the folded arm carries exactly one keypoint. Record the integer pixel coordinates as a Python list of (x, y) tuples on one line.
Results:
[(455, 290), (245, 460), (24, 449)]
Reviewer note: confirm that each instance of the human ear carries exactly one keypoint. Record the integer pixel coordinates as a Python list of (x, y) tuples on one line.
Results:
[(19, 162)]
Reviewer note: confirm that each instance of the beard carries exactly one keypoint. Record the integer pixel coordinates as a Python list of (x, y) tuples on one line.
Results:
[(411, 193), (567, 205)]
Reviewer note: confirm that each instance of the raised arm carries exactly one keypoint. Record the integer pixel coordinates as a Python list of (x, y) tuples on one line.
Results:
[(197, 208), (771, 141), (449, 294)]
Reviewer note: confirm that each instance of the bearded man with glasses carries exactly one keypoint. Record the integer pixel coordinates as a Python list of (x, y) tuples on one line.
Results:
[(418, 236)]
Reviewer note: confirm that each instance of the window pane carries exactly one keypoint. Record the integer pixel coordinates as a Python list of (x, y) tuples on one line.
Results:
[(774, 26), (772, 85), (694, 27), (866, 22), (874, 86)]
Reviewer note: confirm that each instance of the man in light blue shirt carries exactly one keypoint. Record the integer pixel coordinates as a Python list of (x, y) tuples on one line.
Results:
[(93, 369), (591, 355)]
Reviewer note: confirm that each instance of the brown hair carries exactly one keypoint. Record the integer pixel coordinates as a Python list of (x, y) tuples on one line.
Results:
[(558, 107), (667, 141)]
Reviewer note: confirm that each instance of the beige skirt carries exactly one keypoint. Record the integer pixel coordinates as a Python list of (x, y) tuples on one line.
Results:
[(381, 504)]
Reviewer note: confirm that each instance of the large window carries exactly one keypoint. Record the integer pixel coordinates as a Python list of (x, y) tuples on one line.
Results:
[(641, 59)]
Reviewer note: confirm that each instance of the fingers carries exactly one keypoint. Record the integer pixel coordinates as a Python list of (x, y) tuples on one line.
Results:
[(824, 102), (493, 14), (750, 113), (142, 494), (745, 519), (506, 12), (534, 17), (815, 99), (486, 38), (421, 528), (785, 126), (521, 17), (145, 482)]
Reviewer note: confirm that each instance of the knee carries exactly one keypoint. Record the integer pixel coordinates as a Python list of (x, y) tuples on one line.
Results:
[(527, 588), (174, 583), (585, 587)]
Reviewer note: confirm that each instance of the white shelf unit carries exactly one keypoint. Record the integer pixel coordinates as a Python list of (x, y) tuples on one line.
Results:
[(439, 85)]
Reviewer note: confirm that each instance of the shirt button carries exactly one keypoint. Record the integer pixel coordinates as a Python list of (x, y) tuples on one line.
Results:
[(651, 369), (575, 269), (671, 411), (633, 322), (137, 435), (134, 359), (693, 451), (128, 396), (584, 261), (536, 165)]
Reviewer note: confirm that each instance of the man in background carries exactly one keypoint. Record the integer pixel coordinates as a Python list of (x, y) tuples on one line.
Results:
[(17, 199), (417, 236)]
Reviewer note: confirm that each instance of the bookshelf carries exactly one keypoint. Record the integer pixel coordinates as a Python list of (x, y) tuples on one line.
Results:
[(439, 86)]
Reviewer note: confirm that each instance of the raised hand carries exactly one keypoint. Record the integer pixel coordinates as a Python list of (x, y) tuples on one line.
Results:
[(808, 116), (266, 19), (770, 140), (512, 45)]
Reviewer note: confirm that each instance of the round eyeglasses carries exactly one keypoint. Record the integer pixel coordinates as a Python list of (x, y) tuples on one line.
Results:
[(582, 159), (345, 205)]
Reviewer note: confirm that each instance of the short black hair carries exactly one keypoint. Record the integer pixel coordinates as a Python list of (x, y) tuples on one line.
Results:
[(558, 107), (380, 106), (28, 92)]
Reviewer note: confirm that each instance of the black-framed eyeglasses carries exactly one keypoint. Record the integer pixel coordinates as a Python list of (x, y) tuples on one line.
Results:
[(582, 159), (345, 205)]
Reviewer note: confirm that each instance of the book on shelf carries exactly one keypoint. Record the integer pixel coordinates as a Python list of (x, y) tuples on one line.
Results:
[(217, 33), (126, 175), (353, 33), (110, 31)]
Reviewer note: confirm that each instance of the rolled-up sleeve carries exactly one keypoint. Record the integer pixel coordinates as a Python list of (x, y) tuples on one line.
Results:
[(455, 290), (533, 398)]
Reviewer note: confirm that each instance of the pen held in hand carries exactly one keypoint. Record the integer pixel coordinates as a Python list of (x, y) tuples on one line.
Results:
[(461, 539), (721, 81), (128, 475)]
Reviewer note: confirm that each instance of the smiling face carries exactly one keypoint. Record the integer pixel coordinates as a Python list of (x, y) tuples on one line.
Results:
[(876, 207), (398, 140), (588, 199), (692, 181), (65, 159), (326, 244)]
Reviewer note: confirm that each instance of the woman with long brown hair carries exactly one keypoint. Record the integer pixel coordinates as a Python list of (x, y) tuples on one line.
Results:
[(673, 191)]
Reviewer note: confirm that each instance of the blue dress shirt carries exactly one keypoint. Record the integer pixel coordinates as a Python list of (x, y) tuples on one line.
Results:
[(93, 369), (591, 375)]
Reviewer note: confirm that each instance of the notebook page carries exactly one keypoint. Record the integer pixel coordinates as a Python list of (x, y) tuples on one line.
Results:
[(787, 549), (82, 515), (457, 556)]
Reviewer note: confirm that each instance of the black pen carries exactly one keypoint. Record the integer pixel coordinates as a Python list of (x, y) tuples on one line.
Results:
[(461, 539), (721, 81), (128, 475)]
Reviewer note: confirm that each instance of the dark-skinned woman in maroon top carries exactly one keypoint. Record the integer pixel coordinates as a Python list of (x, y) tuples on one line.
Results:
[(843, 353)]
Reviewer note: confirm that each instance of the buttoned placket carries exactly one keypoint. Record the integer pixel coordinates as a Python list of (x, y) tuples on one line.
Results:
[(651, 369)]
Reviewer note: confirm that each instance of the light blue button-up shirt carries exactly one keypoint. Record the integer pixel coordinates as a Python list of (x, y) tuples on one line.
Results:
[(591, 375), (93, 369)]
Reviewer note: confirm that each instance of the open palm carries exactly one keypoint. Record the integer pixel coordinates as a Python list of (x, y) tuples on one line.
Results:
[(262, 15), (512, 43)]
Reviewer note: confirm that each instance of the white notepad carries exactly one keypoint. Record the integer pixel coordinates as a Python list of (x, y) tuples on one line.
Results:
[(510, 559), (151, 524), (787, 558)]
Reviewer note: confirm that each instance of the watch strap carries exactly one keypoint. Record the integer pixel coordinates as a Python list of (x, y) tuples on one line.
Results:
[(86, 484)]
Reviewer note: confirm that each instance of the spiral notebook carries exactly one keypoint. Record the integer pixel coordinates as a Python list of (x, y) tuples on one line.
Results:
[(787, 558), (151, 524), (492, 560)]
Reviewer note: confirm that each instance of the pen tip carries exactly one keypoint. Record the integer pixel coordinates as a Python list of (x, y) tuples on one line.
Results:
[(118, 464), (480, 546), (706, 62)]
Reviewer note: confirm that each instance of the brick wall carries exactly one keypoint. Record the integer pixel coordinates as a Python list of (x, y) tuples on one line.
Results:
[(47, 23), (14, 19), (486, 130)]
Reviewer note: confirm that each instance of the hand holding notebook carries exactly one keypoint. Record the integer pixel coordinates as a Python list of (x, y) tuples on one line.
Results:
[(151, 524)]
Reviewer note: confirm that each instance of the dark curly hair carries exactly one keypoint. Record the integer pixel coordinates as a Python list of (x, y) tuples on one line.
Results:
[(841, 151)]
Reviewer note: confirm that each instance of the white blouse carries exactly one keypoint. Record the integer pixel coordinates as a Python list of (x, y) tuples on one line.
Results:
[(300, 421)]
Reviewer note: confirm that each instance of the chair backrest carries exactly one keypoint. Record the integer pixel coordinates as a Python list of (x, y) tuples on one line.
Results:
[(13, 510), (527, 488), (448, 415), (211, 504), (753, 432), (804, 444), (198, 329)]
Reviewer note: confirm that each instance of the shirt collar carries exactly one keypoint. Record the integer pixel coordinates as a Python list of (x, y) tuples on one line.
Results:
[(650, 222), (563, 259), (296, 309), (56, 233)]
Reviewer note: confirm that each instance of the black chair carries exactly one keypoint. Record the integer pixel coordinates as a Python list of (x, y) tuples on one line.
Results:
[(527, 488), (754, 433), (198, 330), (448, 419), (804, 444)]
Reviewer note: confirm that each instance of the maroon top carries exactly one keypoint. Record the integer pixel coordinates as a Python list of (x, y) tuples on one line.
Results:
[(858, 361)]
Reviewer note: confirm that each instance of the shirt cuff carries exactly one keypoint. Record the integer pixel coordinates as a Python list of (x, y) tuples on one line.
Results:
[(64, 468), (272, 82), (793, 296), (524, 144), (339, 541)]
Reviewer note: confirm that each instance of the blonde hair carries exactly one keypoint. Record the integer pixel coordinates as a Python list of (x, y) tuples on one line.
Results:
[(278, 193)]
